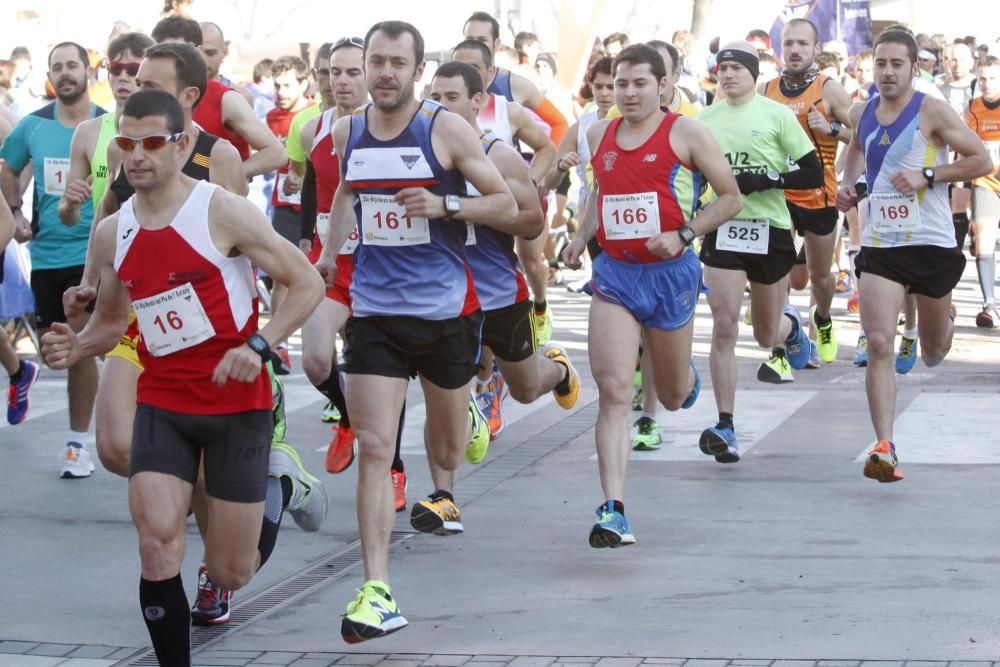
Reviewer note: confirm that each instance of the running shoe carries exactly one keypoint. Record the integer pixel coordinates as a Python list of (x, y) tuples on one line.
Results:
[(330, 413), (278, 409), (479, 441), (436, 515), (720, 441), (647, 435), (567, 391), (399, 489), (826, 341), (843, 282), (797, 348), (881, 463), (854, 303), (747, 317), (814, 361), (612, 529), (211, 606), (906, 359), (341, 450), (372, 614), (543, 326), (281, 360), (987, 318), (776, 369), (309, 502), (76, 463), (18, 395), (491, 403), (637, 391), (695, 390), (861, 352)]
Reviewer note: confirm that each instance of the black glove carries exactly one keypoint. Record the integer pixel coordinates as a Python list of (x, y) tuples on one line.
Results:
[(751, 182)]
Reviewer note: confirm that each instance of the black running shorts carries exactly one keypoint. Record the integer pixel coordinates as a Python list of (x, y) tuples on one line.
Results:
[(764, 269), (510, 331), (924, 269)]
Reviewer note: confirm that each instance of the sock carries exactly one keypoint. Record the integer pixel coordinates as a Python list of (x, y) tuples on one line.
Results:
[(334, 393), (279, 492), (910, 333), (615, 506), (168, 619), (986, 268), (441, 493), (397, 461), (540, 307), (77, 439), (726, 419), (16, 376), (650, 415), (822, 321), (961, 221)]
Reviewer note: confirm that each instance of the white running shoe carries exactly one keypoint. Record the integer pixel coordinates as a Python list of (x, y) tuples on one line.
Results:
[(76, 463)]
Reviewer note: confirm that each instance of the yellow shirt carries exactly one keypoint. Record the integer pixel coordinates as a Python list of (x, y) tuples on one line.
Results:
[(686, 108)]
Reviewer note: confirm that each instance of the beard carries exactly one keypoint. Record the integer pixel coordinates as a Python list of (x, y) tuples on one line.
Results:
[(405, 96), (73, 96)]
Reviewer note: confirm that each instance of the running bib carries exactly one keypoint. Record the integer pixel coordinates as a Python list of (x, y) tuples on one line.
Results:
[(750, 236), (893, 212), (993, 148), (635, 216), (384, 222), (351, 244), (279, 187), (470, 233), (322, 226), (56, 171), (172, 321)]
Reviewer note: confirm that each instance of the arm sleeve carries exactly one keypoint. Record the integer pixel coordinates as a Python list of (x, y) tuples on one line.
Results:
[(809, 174), (551, 115), (308, 210), (15, 147)]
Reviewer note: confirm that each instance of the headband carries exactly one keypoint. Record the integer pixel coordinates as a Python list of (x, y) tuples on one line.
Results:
[(750, 61)]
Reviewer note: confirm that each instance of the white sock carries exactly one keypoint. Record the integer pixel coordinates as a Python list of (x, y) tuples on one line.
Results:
[(78, 438), (910, 333), (648, 414)]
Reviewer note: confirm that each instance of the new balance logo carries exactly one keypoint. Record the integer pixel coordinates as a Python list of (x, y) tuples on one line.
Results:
[(885, 140), (650, 157), (409, 160)]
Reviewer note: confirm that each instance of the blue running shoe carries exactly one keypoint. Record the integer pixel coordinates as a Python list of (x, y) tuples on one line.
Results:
[(907, 357), (695, 390), (797, 348), (814, 361), (18, 395), (720, 441), (861, 353), (612, 529)]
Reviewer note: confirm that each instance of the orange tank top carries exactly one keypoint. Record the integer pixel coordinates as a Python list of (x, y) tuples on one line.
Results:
[(985, 122)]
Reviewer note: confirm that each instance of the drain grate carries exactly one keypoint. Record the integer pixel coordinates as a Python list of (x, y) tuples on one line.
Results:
[(337, 564)]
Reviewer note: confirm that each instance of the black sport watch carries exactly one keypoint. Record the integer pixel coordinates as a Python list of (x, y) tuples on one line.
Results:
[(260, 345), (835, 128), (929, 175), (687, 234)]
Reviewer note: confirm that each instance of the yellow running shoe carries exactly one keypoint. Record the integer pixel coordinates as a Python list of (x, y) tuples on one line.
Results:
[(479, 443), (567, 391), (437, 515), (372, 614)]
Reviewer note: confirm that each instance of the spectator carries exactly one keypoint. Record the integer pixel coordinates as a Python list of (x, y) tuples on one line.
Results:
[(614, 43)]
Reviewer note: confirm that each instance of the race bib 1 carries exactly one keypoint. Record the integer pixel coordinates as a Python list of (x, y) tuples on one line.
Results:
[(634, 216), (56, 171), (279, 188), (470, 234), (750, 236), (172, 321), (893, 212), (384, 222)]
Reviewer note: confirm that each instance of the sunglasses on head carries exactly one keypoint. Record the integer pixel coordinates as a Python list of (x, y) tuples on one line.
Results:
[(150, 142), (344, 41), (116, 67)]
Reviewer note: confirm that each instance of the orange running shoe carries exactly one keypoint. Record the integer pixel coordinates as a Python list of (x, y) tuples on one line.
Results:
[(854, 303), (881, 463), (399, 488), (340, 453)]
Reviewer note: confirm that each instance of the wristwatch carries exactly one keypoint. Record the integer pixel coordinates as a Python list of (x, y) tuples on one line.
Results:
[(260, 345), (452, 205), (774, 178), (687, 234), (929, 175), (835, 128)]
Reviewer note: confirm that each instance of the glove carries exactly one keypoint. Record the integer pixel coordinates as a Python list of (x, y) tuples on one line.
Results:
[(751, 182)]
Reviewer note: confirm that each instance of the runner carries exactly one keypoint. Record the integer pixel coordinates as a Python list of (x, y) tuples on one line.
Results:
[(759, 137), (42, 139), (405, 164), (215, 49), (503, 293), (22, 373), (908, 244), (182, 251), (649, 167)]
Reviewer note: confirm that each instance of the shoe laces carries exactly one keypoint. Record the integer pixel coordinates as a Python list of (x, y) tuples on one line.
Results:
[(906, 349), (646, 426), (208, 593), (825, 334)]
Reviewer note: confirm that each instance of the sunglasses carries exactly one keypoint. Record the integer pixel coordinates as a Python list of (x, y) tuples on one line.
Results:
[(150, 142), (116, 67), (348, 41)]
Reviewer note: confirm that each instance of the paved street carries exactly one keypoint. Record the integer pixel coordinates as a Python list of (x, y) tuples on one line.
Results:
[(790, 558)]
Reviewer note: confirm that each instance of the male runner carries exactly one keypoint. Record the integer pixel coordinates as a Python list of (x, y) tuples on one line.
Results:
[(404, 166), (215, 49), (673, 98), (649, 167), (759, 137), (43, 138), (22, 373), (183, 252), (821, 105), (908, 241), (503, 293)]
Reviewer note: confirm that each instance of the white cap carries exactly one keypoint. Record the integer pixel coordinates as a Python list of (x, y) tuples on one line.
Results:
[(926, 55)]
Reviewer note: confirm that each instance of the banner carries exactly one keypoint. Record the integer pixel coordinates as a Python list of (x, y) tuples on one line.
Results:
[(849, 21)]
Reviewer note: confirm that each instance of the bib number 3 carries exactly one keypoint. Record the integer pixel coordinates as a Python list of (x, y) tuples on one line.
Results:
[(750, 236), (386, 223), (172, 321)]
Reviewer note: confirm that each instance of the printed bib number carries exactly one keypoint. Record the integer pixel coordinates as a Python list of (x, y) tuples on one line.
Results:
[(993, 148), (56, 171), (172, 321), (384, 222), (279, 187), (470, 234), (750, 236), (322, 226), (893, 212), (351, 244), (635, 216)]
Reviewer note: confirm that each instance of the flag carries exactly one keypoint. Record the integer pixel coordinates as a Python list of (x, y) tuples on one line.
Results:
[(847, 20)]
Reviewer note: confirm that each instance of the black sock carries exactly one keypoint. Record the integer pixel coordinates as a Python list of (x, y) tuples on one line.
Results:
[(540, 307), (441, 493), (961, 221), (331, 388), (279, 492), (168, 620), (726, 419), (16, 376), (822, 321), (986, 268), (615, 506), (397, 462)]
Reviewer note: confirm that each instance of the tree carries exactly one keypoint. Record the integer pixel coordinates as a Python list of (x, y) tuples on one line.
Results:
[(699, 17)]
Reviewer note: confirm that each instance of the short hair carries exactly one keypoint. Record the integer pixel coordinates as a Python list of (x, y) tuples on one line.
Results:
[(828, 59), (189, 66), (793, 22), (20, 52), (7, 68), (395, 29), (323, 54), (757, 33), (864, 54), (473, 82), (476, 45), (82, 52), (523, 39), (145, 103), (639, 54), (262, 69), (204, 24), (484, 17), (136, 42), (290, 64), (602, 66), (989, 61), (177, 27), (901, 27), (675, 56), (619, 37), (898, 37)]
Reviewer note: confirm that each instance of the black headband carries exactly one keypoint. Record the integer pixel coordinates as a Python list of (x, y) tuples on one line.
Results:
[(750, 61)]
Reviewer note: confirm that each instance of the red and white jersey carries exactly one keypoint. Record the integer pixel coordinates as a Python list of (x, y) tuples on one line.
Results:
[(494, 120), (193, 304)]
